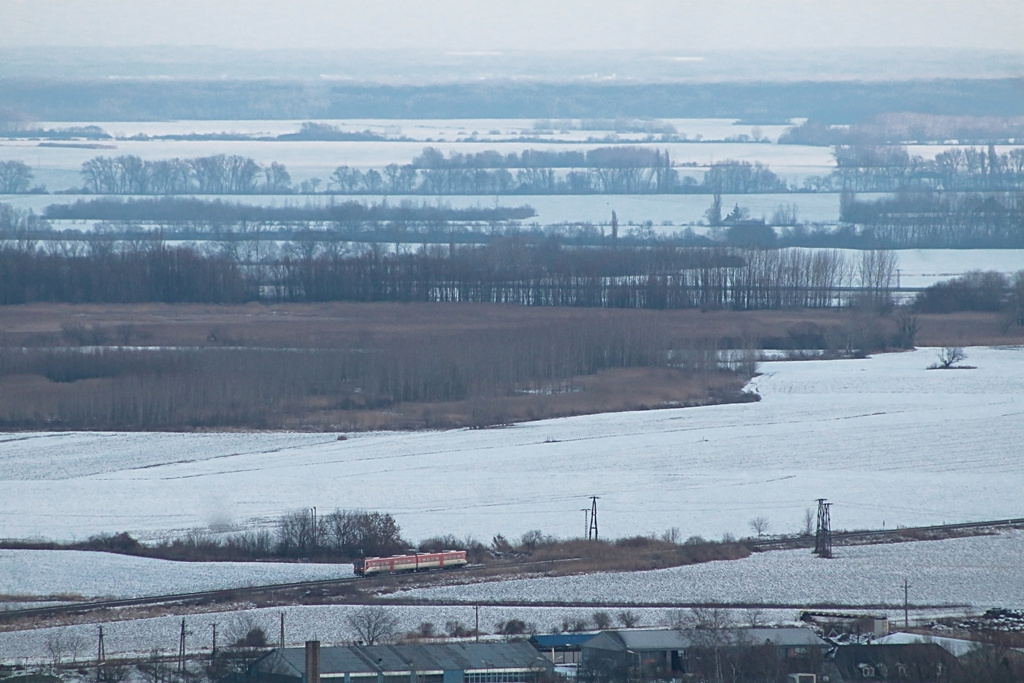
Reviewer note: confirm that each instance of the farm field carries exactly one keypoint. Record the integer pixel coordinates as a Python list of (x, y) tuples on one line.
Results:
[(66, 574), (887, 441), (973, 572)]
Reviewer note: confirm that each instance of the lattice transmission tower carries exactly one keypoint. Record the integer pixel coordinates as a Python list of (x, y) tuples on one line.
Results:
[(823, 532), (592, 529)]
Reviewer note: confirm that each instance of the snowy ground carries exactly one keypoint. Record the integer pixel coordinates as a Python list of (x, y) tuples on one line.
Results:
[(884, 439), (925, 267), (976, 572), (65, 573)]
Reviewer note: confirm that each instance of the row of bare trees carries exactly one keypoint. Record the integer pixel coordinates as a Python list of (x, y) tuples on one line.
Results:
[(939, 220), (218, 174), (605, 170), (891, 168), (507, 270)]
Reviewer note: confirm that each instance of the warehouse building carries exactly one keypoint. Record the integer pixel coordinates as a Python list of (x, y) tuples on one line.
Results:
[(671, 653), (407, 663)]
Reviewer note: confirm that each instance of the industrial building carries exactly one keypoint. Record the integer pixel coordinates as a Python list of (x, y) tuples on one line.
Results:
[(407, 663)]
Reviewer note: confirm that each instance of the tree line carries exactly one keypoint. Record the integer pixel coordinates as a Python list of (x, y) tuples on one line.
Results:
[(217, 174), (297, 534), (933, 220), (508, 269), (909, 128), (988, 291), (197, 212), (891, 168), (605, 170)]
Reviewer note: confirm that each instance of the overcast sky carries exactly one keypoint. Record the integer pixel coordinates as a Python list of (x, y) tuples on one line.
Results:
[(472, 25)]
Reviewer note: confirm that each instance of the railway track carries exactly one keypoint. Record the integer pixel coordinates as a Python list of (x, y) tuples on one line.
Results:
[(242, 592)]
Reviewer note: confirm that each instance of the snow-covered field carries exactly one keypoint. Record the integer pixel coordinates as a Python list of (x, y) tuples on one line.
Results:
[(925, 267), (884, 439), (976, 572), (69, 574)]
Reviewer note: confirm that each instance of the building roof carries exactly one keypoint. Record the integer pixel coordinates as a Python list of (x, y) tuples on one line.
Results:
[(641, 640), (849, 658), (438, 657), (955, 646), (789, 636), (561, 640)]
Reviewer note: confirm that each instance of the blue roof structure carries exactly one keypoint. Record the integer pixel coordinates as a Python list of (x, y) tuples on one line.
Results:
[(563, 640)]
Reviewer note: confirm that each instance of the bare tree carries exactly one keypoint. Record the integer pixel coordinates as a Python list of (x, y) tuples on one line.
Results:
[(55, 647), (112, 672), (949, 357), (907, 327), (373, 624), (878, 276), (277, 178), (808, 522), (709, 630), (628, 619), (14, 177), (155, 669), (755, 617), (455, 629), (759, 525)]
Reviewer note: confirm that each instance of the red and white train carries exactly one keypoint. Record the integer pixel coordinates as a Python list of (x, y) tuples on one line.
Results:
[(446, 559)]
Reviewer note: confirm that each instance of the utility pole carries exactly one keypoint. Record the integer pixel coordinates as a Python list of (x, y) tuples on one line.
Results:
[(101, 655), (823, 533), (592, 528), (282, 631), (476, 627), (586, 521), (312, 531), (906, 604), (181, 649), (213, 650)]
